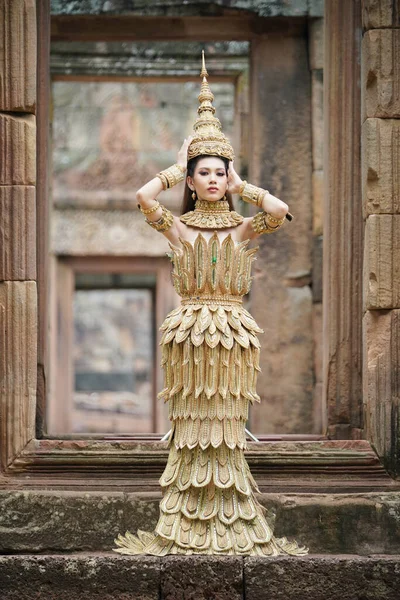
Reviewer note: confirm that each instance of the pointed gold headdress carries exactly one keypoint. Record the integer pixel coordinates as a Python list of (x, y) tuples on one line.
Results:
[(208, 137)]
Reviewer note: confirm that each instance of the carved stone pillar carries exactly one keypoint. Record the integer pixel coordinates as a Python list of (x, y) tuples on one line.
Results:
[(18, 311), (381, 207), (343, 226)]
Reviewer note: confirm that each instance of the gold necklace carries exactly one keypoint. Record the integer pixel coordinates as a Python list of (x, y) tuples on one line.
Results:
[(212, 215)]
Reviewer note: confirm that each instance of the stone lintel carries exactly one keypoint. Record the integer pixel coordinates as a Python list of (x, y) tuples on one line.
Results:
[(381, 166), (17, 233), (67, 64), (380, 80), (208, 28), (105, 233), (382, 262), (271, 8)]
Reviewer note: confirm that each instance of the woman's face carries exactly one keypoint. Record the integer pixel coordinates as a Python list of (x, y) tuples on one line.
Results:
[(209, 179)]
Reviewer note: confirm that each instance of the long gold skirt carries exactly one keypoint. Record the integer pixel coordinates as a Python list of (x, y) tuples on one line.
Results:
[(210, 358)]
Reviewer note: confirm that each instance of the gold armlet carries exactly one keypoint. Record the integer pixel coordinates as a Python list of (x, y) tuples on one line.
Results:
[(171, 176), (251, 193), (164, 222), (263, 222)]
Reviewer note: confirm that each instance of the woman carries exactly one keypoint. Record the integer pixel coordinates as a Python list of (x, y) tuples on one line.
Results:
[(210, 354)]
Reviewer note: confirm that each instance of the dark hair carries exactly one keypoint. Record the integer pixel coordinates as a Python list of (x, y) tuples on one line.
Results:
[(188, 203)]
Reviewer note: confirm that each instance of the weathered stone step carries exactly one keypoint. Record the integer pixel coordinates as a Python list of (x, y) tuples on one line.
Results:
[(59, 521), (114, 577)]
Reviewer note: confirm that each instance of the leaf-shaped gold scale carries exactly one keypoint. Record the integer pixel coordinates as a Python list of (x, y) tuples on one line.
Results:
[(210, 357), (213, 268)]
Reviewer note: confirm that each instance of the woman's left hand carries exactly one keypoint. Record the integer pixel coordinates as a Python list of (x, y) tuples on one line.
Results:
[(234, 181)]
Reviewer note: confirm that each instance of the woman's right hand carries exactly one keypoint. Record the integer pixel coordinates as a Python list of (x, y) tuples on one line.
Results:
[(182, 154)]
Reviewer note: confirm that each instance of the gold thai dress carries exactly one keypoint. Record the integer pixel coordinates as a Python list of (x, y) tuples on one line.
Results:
[(210, 357)]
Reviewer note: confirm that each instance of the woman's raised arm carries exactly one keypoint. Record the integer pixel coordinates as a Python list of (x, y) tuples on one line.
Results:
[(158, 216), (273, 212)]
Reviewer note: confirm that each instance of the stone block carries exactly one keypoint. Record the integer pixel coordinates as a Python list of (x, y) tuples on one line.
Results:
[(382, 262), (361, 524), (318, 202), (81, 577), (381, 382), (17, 233), (317, 578), (18, 150), (380, 80), (202, 577), (317, 118), (380, 166), (377, 14), (18, 56), (65, 521), (18, 366), (316, 43)]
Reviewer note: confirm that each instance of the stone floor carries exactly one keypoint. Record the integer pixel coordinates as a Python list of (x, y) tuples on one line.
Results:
[(113, 577)]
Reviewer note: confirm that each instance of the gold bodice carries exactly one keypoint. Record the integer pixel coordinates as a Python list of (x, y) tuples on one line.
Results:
[(212, 271)]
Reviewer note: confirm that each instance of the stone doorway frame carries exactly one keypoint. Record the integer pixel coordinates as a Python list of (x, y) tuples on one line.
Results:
[(65, 270), (297, 465)]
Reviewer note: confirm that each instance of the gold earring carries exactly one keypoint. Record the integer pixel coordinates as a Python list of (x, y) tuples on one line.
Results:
[(194, 195), (224, 198)]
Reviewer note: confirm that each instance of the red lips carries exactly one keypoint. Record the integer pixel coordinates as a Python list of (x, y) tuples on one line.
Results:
[(212, 189)]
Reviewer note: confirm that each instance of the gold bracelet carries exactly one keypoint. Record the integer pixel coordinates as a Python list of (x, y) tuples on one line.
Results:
[(171, 176), (252, 194), (148, 211), (164, 222), (260, 223), (272, 220)]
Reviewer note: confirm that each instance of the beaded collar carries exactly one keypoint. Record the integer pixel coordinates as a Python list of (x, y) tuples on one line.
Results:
[(212, 215)]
